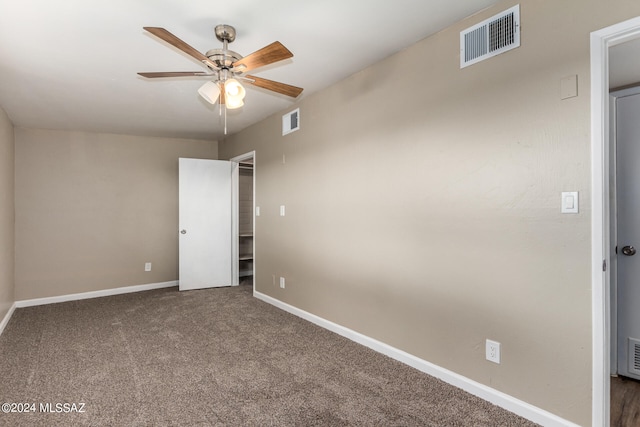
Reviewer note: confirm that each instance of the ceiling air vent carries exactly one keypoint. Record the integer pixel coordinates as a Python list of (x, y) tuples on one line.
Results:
[(291, 121), (492, 37)]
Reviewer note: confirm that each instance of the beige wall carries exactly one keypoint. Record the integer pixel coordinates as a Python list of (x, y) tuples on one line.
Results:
[(423, 204), (91, 209), (6, 214)]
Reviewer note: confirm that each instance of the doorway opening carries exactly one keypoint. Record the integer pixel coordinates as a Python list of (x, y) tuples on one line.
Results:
[(244, 212), (602, 220), (625, 268)]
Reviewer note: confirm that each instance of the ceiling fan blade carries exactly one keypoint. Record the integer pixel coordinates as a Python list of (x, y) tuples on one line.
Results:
[(285, 89), (175, 74), (175, 41), (267, 55)]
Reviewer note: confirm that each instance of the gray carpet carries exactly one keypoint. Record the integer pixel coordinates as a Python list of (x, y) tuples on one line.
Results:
[(215, 357)]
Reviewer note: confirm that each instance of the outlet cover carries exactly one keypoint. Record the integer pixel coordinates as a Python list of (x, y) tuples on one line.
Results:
[(493, 351), (282, 282), (147, 266)]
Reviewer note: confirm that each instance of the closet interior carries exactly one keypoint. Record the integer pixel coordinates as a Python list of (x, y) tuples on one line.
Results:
[(245, 222)]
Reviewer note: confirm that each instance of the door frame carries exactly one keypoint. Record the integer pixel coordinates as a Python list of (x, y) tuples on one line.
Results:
[(601, 163), (235, 198)]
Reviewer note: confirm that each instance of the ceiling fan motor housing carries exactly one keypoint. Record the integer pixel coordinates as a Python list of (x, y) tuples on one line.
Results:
[(223, 59)]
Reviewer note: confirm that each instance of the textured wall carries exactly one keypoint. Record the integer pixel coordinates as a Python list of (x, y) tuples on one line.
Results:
[(91, 209), (6, 214), (423, 204)]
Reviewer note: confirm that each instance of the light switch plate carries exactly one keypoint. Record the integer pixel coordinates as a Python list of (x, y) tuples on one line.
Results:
[(569, 202), (282, 211)]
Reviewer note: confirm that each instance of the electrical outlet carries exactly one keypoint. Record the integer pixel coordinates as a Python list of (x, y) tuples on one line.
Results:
[(147, 266), (282, 282), (493, 351)]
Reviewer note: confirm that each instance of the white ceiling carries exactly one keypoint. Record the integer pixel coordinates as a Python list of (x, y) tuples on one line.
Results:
[(72, 64)]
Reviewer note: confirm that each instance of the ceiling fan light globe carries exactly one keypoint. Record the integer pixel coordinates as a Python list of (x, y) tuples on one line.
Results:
[(233, 89), (234, 102), (210, 91)]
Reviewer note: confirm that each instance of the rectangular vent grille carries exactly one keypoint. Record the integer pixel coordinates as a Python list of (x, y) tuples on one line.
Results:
[(491, 37), (634, 356), (291, 121)]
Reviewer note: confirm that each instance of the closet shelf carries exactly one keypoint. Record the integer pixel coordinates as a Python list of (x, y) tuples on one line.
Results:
[(247, 257)]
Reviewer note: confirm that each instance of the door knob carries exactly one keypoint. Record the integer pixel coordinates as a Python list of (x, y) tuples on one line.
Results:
[(629, 251), (185, 232)]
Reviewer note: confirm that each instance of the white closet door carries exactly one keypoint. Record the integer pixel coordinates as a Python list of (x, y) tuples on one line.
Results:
[(205, 223)]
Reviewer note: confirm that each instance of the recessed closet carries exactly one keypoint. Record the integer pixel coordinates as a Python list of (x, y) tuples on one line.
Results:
[(245, 222)]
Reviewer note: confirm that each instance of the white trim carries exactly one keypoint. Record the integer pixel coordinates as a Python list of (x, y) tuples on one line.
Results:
[(613, 260), (7, 317), (235, 203), (600, 356), (601, 41), (496, 397), (94, 294)]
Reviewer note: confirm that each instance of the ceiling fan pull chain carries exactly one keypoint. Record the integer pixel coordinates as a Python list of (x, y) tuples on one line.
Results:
[(225, 120)]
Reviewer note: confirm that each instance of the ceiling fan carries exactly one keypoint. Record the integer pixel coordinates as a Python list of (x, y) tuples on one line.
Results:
[(228, 68)]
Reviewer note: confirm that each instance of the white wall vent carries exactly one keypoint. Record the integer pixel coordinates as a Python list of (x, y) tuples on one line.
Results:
[(291, 121), (492, 37), (634, 356)]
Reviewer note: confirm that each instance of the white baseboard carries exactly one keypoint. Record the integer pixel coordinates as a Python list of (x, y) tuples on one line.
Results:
[(7, 316), (94, 294), (496, 397)]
